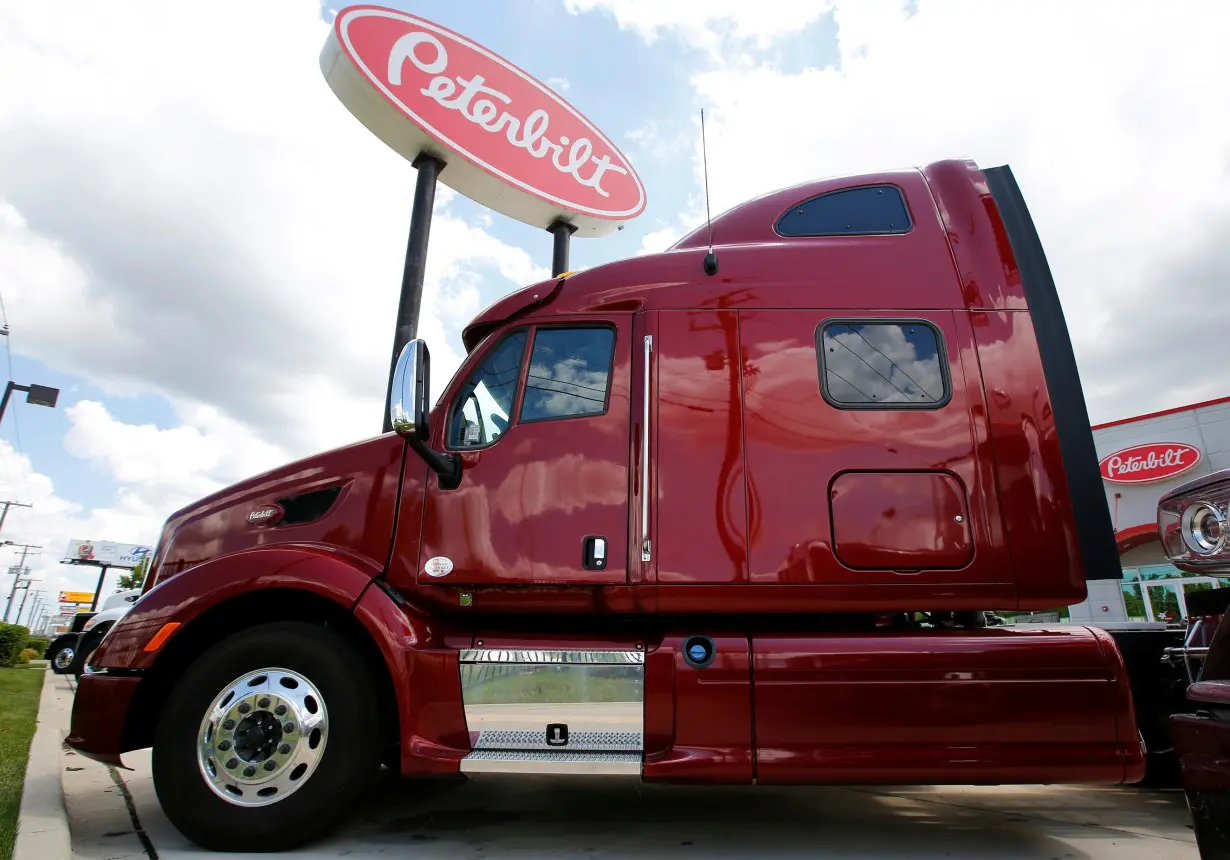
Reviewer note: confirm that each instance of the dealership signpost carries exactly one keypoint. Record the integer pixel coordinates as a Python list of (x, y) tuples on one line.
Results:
[(104, 555), (508, 141)]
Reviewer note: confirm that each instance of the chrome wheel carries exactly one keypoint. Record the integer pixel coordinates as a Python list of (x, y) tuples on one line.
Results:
[(63, 658), (262, 737)]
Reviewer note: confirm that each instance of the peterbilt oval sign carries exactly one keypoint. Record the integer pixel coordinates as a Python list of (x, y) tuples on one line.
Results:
[(507, 140), (1152, 462)]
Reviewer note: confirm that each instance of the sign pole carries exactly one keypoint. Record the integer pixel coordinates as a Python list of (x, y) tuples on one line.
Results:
[(562, 231), (429, 168), (102, 574)]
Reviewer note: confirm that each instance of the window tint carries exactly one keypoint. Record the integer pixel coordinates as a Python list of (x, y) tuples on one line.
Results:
[(871, 210), (882, 364), (570, 371), (482, 410)]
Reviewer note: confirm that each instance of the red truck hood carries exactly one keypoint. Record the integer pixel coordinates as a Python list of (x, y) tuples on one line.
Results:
[(345, 498)]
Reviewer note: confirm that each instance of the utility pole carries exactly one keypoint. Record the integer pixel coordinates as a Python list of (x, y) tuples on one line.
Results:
[(8, 505), (38, 598), (17, 572), (25, 595)]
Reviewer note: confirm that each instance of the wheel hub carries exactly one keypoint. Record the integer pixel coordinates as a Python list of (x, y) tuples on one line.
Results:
[(262, 737), (64, 658), (257, 736)]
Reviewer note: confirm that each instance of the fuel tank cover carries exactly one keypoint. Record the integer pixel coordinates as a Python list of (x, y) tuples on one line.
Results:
[(699, 651)]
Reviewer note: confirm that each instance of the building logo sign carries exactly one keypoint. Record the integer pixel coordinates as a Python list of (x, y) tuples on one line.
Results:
[(508, 141), (1155, 461)]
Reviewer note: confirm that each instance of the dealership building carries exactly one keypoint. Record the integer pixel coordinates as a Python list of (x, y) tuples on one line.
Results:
[(1142, 458)]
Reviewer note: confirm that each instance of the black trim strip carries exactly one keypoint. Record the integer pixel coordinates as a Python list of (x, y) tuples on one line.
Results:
[(1094, 532)]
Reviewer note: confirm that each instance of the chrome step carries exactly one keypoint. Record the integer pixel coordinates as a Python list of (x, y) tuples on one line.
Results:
[(537, 761), (583, 741)]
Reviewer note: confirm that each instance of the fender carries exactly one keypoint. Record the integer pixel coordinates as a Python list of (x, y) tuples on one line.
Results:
[(422, 667), (185, 596)]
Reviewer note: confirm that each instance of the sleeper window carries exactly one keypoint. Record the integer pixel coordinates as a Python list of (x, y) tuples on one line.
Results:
[(868, 211), (569, 374), (888, 365), (481, 412)]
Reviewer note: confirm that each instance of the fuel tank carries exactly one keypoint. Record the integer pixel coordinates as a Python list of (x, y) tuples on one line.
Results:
[(345, 499), (990, 706)]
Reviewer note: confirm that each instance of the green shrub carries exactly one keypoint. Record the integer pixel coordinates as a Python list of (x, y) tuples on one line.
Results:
[(28, 654), (39, 644), (12, 640)]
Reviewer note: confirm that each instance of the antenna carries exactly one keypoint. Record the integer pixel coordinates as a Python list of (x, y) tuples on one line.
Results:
[(711, 261)]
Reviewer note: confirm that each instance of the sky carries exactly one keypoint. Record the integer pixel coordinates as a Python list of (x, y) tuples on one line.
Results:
[(202, 248)]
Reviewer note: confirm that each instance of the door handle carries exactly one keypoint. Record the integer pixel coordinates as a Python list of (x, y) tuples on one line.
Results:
[(646, 544), (594, 557)]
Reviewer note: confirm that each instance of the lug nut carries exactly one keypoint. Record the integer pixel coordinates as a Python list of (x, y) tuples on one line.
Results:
[(263, 703), (232, 764), (228, 725), (280, 710), (271, 764), (250, 770), (244, 707), (284, 749), (224, 746), (288, 728)]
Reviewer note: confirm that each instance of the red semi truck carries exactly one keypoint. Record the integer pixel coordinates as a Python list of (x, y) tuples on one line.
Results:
[(724, 514)]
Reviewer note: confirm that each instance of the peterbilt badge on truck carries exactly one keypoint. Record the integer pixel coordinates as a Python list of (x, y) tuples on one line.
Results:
[(730, 528)]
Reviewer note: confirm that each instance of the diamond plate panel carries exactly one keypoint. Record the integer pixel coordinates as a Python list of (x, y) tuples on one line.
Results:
[(577, 741)]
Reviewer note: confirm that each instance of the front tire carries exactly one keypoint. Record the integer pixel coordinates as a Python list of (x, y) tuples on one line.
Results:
[(62, 655), (268, 739)]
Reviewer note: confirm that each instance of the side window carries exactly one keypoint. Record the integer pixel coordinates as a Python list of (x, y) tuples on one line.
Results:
[(882, 365), (484, 404), (872, 210), (570, 373)]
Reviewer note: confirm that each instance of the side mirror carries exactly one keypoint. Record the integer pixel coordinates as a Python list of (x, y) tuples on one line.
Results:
[(409, 405)]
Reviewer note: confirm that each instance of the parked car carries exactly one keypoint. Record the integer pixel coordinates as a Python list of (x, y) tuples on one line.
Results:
[(69, 651), (61, 650)]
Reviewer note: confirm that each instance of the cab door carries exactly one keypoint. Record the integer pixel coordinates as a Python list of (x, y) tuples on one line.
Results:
[(540, 420)]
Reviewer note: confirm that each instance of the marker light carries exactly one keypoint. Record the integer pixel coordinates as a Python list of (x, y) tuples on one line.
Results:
[(162, 636)]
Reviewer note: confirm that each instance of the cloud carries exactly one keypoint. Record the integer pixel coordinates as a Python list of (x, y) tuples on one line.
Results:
[(1105, 113), (217, 231), (706, 23)]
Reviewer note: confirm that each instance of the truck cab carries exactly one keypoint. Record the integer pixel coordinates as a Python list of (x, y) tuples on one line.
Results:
[(729, 513)]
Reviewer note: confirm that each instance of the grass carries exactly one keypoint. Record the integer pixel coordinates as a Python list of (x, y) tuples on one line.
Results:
[(19, 693)]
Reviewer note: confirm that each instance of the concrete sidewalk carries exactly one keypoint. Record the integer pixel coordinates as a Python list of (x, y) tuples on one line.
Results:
[(42, 829), (115, 814)]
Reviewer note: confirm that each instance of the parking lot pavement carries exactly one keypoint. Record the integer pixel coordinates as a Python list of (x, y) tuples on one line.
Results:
[(538, 817)]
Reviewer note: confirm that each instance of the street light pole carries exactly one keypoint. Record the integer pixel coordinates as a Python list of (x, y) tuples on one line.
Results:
[(39, 395)]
